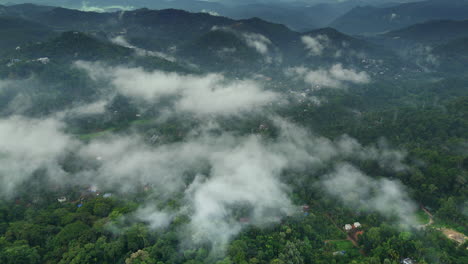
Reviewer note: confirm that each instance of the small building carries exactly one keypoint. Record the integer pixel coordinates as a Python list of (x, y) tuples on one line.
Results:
[(107, 195), (13, 62), (339, 253), (93, 189), (62, 199), (348, 227), (407, 261), (263, 127), (357, 225), (154, 138), (44, 60), (305, 208)]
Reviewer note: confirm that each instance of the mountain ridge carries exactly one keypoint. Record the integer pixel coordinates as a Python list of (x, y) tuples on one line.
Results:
[(379, 20)]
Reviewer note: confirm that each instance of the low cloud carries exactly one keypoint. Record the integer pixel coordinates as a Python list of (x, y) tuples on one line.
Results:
[(97, 107), (232, 177), (210, 12), (225, 177), (315, 45), (387, 158), (30, 145), (155, 218), (120, 40), (222, 176), (102, 9), (424, 57), (257, 41), (228, 171), (3, 84), (334, 77), (357, 190), (210, 94), (14, 96)]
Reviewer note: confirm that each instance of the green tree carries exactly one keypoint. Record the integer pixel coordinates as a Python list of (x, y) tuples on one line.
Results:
[(140, 257), (19, 253)]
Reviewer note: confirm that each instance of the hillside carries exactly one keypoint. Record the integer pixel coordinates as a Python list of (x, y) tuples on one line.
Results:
[(180, 33), (220, 49), (453, 55), (71, 46)]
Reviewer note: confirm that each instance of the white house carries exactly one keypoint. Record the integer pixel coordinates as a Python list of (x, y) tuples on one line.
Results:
[(348, 227), (44, 60), (407, 261)]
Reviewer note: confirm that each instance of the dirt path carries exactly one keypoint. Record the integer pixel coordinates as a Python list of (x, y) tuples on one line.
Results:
[(454, 235), (449, 233), (431, 217)]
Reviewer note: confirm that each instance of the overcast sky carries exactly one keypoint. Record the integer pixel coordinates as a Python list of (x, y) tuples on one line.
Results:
[(110, 2)]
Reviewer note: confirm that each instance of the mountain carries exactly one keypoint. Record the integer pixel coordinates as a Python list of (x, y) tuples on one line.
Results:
[(163, 30), (298, 16), (436, 31), (214, 42), (378, 20), (27, 10), (62, 18), (16, 31), (277, 33), (170, 25), (71, 46), (429, 44), (221, 49), (297, 19), (335, 47)]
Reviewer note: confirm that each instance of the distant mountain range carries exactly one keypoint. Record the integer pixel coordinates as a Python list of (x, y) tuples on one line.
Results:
[(299, 16), (436, 31), (213, 42), (372, 20)]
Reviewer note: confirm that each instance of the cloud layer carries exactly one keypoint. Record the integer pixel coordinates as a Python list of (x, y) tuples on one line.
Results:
[(315, 45), (222, 176), (210, 94), (334, 77), (358, 190), (29, 145)]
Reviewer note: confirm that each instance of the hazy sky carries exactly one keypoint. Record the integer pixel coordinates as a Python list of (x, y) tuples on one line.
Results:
[(110, 2)]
